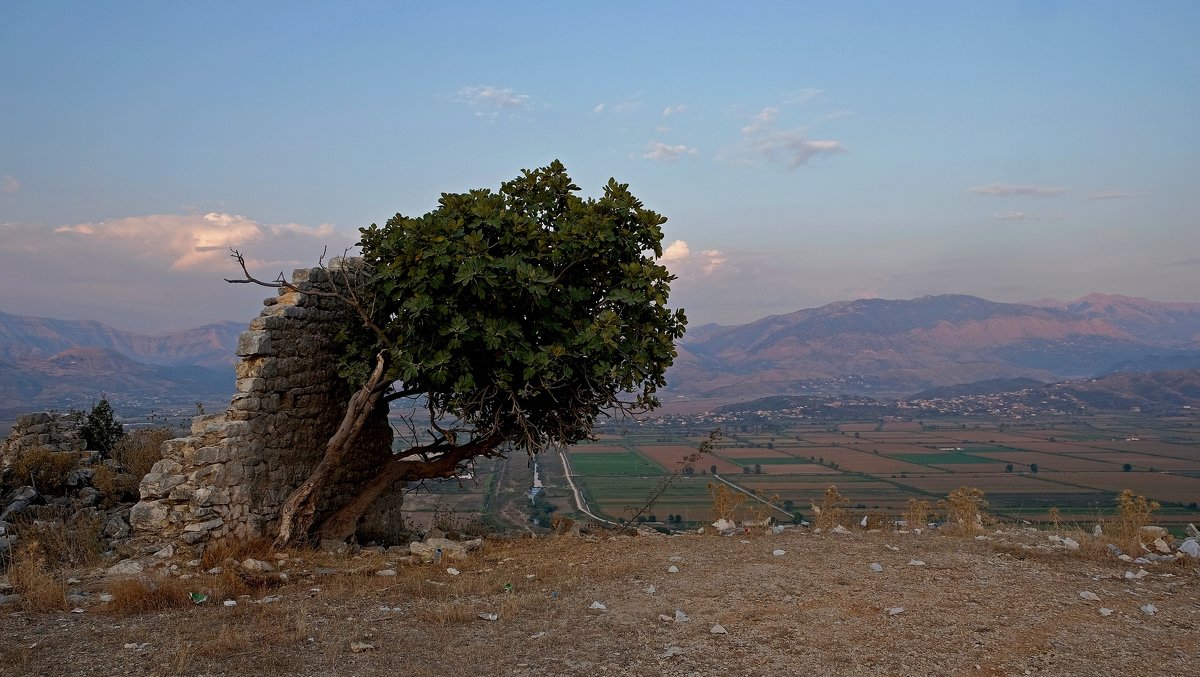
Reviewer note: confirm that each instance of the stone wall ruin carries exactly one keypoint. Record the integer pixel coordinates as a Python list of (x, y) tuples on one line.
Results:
[(229, 478)]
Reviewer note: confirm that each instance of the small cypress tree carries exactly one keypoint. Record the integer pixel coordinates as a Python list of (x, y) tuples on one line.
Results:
[(100, 431)]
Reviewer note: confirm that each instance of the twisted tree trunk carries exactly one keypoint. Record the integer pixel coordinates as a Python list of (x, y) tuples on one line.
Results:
[(342, 524), (299, 510)]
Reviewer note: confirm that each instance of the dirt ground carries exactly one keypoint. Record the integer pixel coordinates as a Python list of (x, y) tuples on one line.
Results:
[(795, 603)]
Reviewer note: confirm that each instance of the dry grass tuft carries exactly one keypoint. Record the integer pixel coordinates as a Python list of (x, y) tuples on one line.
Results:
[(916, 516), (447, 614), (964, 510), (41, 588), (725, 501), (832, 510), (1133, 513), (139, 450), (44, 469), (226, 551), (147, 594), (65, 540)]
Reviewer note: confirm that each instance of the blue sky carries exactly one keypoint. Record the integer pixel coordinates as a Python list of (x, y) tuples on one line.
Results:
[(804, 152)]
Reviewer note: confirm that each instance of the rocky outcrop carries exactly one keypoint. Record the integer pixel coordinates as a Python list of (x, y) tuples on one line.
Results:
[(56, 432), (229, 478)]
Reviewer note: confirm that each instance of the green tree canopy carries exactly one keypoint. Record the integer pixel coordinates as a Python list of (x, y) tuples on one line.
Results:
[(523, 312)]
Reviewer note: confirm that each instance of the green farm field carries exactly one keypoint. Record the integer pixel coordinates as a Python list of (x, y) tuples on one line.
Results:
[(1076, 465)]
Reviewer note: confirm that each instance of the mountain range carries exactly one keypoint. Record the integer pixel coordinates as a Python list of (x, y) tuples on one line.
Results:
[(892, 348), (58, 364), (877, 347)]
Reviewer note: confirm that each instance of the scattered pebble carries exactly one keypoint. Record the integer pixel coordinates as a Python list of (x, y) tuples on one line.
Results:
[(359, 647), (876, 567), (895, 610), (598, 606), (1090, 596), (106, 597), (77, 610), (672, 569), (1071, 543), (1149, 609), (681, 617), (1105, 611), (892, 548), (230, 602), (538, 635), (452, 571), (778, 553), (916, 563), (839, 529), (717, 629), (651, 590), (386, 572), (665, 618), (490, 617), (673, 651)]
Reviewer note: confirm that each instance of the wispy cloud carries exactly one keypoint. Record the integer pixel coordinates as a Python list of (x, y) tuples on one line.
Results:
[(624, 107), (9, 184), (679, 258), (662, 152), (677, 109), (1113, 195), (1016, 216), (1018, 190), (805, 95), (489, 100), (191, 242), (762, 139)]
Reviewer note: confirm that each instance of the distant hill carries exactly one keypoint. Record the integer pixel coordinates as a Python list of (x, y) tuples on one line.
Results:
[(1165, 362), (1148, 391), (988, 387), (58, 364), (1161, 323), (212, 345), (891, 348)]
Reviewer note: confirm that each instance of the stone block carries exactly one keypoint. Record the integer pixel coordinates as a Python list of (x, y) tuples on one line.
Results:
[(209, 525), (207, 455), (249, 385), (254, 343), (156, 485), (148, 516)]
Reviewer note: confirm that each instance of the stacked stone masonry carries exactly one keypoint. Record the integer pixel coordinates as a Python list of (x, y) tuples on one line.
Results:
[(230, 477), (57, 432)]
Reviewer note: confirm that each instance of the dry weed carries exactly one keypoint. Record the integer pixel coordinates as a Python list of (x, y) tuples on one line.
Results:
[(876, 519), (916, 516), (139, 450), (74, 540), (964, 510), (41, 588), (725, 501), (43, 469), (146, 594), (456, 612), (1133, 513), (832, 510)]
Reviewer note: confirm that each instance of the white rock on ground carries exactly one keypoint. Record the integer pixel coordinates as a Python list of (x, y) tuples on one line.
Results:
[(1090, 596), (717, 629)]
